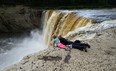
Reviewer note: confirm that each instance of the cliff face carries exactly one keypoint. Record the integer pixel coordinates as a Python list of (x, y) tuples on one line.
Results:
[(19, 19), (100, 57)]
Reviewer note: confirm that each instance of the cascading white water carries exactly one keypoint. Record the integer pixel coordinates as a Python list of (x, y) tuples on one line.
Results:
[(89, 31), (28, 45)]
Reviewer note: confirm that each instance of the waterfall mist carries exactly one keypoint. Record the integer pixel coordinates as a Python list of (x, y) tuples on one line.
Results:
[(29, 44)]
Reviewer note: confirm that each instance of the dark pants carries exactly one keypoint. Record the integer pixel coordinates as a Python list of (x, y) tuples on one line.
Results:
[(82, 47)]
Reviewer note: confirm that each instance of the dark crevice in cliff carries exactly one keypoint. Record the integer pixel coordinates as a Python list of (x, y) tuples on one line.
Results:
[(67, 58)]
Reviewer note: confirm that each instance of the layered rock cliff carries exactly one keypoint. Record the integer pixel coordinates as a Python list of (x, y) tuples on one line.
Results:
[(19, 19)]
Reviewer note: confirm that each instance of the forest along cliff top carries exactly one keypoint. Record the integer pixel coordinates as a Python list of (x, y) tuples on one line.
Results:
[(101, 56), (62, 4)]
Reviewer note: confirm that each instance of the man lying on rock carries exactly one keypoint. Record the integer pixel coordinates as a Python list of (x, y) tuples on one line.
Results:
[(76, 44)]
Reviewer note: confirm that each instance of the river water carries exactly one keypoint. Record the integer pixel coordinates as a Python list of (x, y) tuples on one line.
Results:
[(13, 49), (96, 15)]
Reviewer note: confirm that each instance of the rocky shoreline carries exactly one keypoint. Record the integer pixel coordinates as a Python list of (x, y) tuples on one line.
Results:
[(100, 57)]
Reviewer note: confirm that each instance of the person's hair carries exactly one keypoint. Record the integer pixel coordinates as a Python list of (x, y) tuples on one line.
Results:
[(54, 36), (59, 36)]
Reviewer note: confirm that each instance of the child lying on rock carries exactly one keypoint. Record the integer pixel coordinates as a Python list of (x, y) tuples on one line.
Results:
[(58, 44)]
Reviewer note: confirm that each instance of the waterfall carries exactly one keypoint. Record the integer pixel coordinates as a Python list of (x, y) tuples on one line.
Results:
[(59, 23), (71, 26)]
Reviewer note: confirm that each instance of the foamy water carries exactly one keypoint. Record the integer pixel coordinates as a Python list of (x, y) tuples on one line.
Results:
[(30, 44), (89, 31), (97, 15)]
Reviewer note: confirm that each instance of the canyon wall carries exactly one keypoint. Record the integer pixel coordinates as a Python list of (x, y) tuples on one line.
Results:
[(19, 19)]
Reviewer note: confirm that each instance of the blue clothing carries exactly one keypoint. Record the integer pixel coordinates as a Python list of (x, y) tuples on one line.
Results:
[(56, 40)]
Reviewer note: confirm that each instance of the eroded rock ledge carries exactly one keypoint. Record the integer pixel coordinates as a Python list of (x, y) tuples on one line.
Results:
[(100, 57)]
